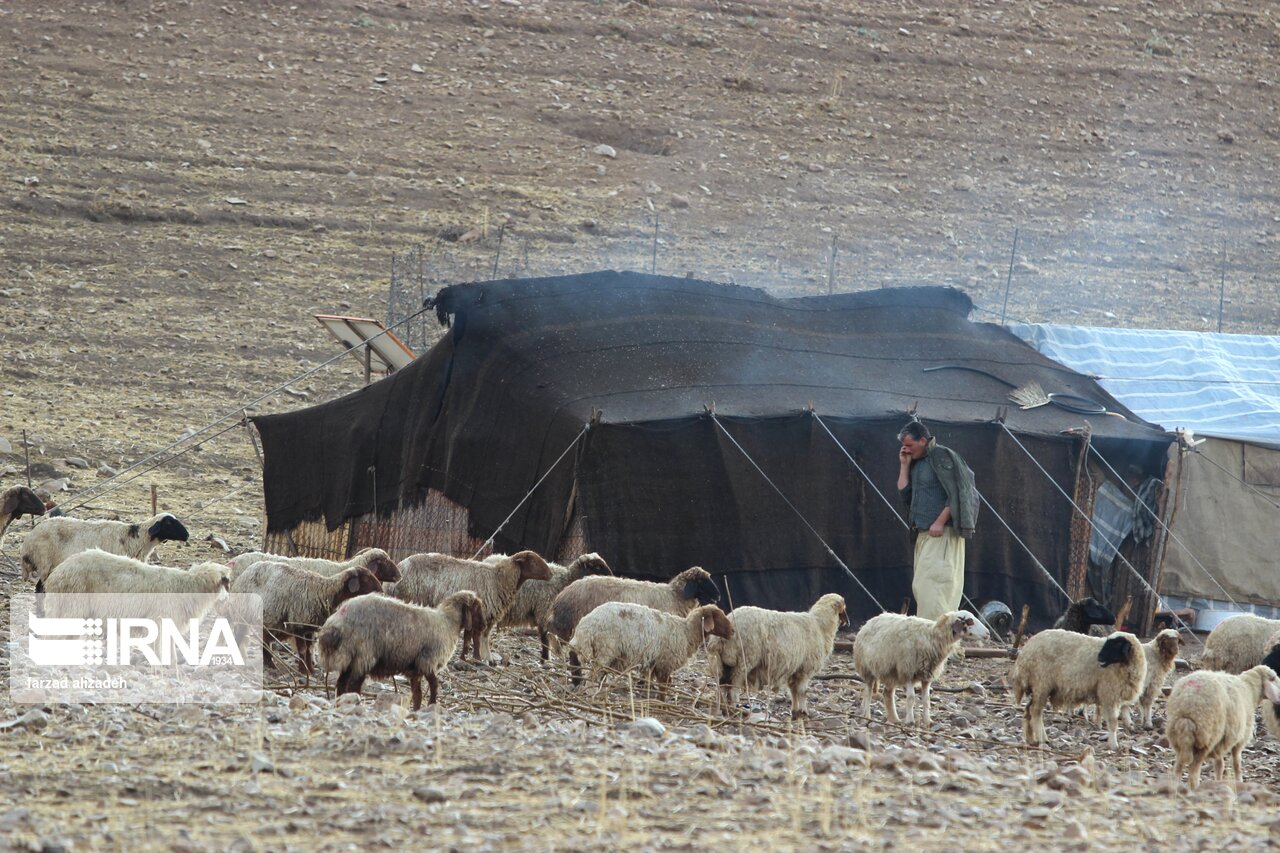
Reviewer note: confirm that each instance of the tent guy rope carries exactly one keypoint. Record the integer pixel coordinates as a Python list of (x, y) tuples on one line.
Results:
[(799, 514)]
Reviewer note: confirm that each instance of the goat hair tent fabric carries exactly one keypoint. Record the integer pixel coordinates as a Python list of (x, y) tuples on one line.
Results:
[(632, 366)]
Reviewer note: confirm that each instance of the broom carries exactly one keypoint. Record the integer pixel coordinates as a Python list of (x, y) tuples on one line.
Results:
[(1029, 396)]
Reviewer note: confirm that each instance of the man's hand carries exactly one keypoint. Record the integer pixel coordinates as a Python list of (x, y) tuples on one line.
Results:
[(935, 529), (904, 456)]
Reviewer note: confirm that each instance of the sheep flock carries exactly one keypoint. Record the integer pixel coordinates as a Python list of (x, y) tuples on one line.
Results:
[(372, 649)]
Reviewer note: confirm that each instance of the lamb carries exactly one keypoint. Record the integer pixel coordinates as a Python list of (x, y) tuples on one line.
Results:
[(95, 571), (56, 539), (1271, 710), (430, 578), (892, 650), (1070, 670), (770, 649), (621, 637), (1161, 652), (1238, 643), (532, 605), (295, 601), (373, 559), (15, 503), (1210, 714), (380, 636), (1081, 614), (689, 589)]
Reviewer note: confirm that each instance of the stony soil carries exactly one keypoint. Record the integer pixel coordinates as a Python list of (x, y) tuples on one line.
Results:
[(184, 184)]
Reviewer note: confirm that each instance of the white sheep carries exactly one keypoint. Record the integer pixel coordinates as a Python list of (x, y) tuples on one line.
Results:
[(56, 539), (71, 590), (428, 579), (532, 605), (1161, 652), (296, 602), (1238, 643), (893, 650), (770, 650), (1210, 715), (373, 559), (380, 636), (16, 502), (622, 637), (1069, 670), (691, 588)]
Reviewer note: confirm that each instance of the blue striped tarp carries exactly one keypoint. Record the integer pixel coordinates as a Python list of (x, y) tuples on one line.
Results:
[(1226, 386)]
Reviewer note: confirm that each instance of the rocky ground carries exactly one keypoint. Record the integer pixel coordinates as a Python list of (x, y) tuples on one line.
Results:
[(185, 183)]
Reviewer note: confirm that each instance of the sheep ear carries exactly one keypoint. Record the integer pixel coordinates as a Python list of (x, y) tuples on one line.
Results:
[(958, 627), (708, 623), (353, 584), (10, 503)]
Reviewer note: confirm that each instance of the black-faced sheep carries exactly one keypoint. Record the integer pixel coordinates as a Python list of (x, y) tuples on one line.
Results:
[(770, 649), (373, 559), (16, 502), (622, 637), (1070, 670), (296, 602), (1238, 643), (689, 589), (532, 607), (1210, 715), (380, 636), (892, 650), (1271, 710), (56, 539), (428, 579), (1082, 614), (73, 587)]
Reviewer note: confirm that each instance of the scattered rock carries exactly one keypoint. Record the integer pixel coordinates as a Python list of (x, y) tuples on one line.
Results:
[(107, 471), (605, 151), (348, 701), (679, 202), (34, 720), (261, 763), (430, 795), (297, 703), (5, 446), (76, 462), (646, 726)]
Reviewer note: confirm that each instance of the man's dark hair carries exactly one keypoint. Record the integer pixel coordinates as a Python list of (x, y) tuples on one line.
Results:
[(916, 430)]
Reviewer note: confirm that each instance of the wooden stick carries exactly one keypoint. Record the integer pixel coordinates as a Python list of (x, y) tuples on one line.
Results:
[(154, 511), (1124, 613), (1022, 626)]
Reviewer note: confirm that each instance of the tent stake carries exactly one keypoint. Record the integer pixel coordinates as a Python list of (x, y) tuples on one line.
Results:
[(1009, 281), (1222, 285)]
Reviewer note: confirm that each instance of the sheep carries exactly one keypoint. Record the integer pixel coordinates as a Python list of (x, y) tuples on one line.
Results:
[(70, 589), (56, 539), (1210, 714), (15, 503), (373, 559), (1082, 614), (295, 601), (1238, 643), (1271, 710), (892, 650), (770, 649), (620, 637), (1069, 670), (532, 605), (381, 636), (427, 579), (1161, 652), (689, 589)]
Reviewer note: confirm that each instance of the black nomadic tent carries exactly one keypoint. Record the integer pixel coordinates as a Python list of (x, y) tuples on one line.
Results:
[(630, 373)]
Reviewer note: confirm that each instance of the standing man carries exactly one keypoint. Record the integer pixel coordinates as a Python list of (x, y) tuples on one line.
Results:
[(937, 486)]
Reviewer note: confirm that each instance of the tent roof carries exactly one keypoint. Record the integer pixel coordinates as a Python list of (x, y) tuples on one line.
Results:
[(1226, 386), (643, 348)]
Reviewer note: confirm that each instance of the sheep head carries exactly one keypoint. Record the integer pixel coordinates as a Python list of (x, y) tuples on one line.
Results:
[(1094, 612), (383, 567), (20, 501), (165, 528), (695, 584), (1268, 682), (532, 567), (835, 603), (1273, 657), (714, 621), (355, 581), (1118, 648), (1167, 644), (212, 577), (965, 624), (588, 565)]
